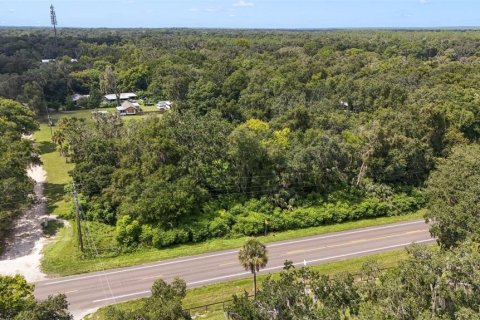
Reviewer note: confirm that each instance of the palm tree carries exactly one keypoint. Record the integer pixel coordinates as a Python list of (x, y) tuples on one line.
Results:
[(253, 257), (58, 138)]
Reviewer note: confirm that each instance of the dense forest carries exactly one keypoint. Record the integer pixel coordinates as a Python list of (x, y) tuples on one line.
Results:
[(270, 130)]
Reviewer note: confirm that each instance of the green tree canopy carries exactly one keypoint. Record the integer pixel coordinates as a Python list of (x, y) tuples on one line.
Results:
[(453, 192)]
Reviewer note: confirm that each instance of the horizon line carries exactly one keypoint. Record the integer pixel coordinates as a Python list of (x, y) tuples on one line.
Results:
[(256, 28)]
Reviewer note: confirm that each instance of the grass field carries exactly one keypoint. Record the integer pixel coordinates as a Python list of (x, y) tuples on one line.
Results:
[(217, 293), (63, 257), (57, 172)]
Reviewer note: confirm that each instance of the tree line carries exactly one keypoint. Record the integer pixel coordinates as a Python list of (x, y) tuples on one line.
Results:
[(16, 154)]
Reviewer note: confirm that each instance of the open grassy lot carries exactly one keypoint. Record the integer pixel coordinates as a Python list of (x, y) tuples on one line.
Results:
[(218, 293), (57, 172), (64, 258)]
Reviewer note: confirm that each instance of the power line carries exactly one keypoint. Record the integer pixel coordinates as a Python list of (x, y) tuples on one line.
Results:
[(77, 216)]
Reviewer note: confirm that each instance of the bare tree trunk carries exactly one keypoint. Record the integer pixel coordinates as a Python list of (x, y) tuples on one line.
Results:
[(363, 169)]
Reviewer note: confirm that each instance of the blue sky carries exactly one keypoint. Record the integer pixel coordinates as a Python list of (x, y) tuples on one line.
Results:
[(243, 13)]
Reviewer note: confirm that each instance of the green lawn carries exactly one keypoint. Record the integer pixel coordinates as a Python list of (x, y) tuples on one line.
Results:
[(64, 258), (220, 292), (57, 172)]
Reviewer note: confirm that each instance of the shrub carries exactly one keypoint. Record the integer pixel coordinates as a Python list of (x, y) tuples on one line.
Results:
[(199, 231), (403, 203), (128, 231), (218, 227), (165, 238), (250, 225), (146, 236)]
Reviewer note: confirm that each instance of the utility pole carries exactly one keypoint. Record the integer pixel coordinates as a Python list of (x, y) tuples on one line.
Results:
[(50, 122), (77, 217), (53, 19)]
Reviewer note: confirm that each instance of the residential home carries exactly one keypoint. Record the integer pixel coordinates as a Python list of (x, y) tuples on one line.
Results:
[(76, 97), (123, 96), (128, 108), (164, 105)]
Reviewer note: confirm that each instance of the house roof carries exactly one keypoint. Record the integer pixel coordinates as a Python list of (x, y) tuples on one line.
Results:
[(123, 96), (164, 104), (78, 96), (127, 104)]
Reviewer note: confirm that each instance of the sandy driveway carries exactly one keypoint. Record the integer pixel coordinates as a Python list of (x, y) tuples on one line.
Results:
[(23, 247)]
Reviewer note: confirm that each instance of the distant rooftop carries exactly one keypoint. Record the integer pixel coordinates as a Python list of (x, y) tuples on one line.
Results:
[(123, 96), (78, 96)]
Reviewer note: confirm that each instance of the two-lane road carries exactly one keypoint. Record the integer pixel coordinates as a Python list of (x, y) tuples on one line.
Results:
[(89, 291)]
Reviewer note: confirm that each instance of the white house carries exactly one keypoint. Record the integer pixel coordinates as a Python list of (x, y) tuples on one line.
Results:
[(164, 105), (78, 96), (128, 108)]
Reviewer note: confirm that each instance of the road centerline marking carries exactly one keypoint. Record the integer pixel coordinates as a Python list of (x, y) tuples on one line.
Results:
[(276, 267), (71, 291), (159, 276), (353, 242)]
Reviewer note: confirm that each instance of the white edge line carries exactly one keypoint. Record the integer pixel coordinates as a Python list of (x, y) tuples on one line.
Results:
[(278, 267), (122, 296), (218, 278), (234, 251)]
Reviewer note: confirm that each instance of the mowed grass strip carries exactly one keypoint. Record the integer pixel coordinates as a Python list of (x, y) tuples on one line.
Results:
[(217, 293), (64, 258), (57, 170)]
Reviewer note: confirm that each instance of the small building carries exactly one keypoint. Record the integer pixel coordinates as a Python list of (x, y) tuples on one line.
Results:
[(48, 60), (123, 96), (128, 108), (78, 96), (164, 105)]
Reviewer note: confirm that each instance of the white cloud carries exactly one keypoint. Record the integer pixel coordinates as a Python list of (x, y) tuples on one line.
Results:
[(11, 10), (423, 1), (242, 3), (214, 9)]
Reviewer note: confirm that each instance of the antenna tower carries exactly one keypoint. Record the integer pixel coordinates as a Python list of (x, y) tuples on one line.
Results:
[(53, 19)]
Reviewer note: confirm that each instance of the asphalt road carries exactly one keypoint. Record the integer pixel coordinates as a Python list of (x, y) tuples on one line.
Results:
[(87, 292)]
